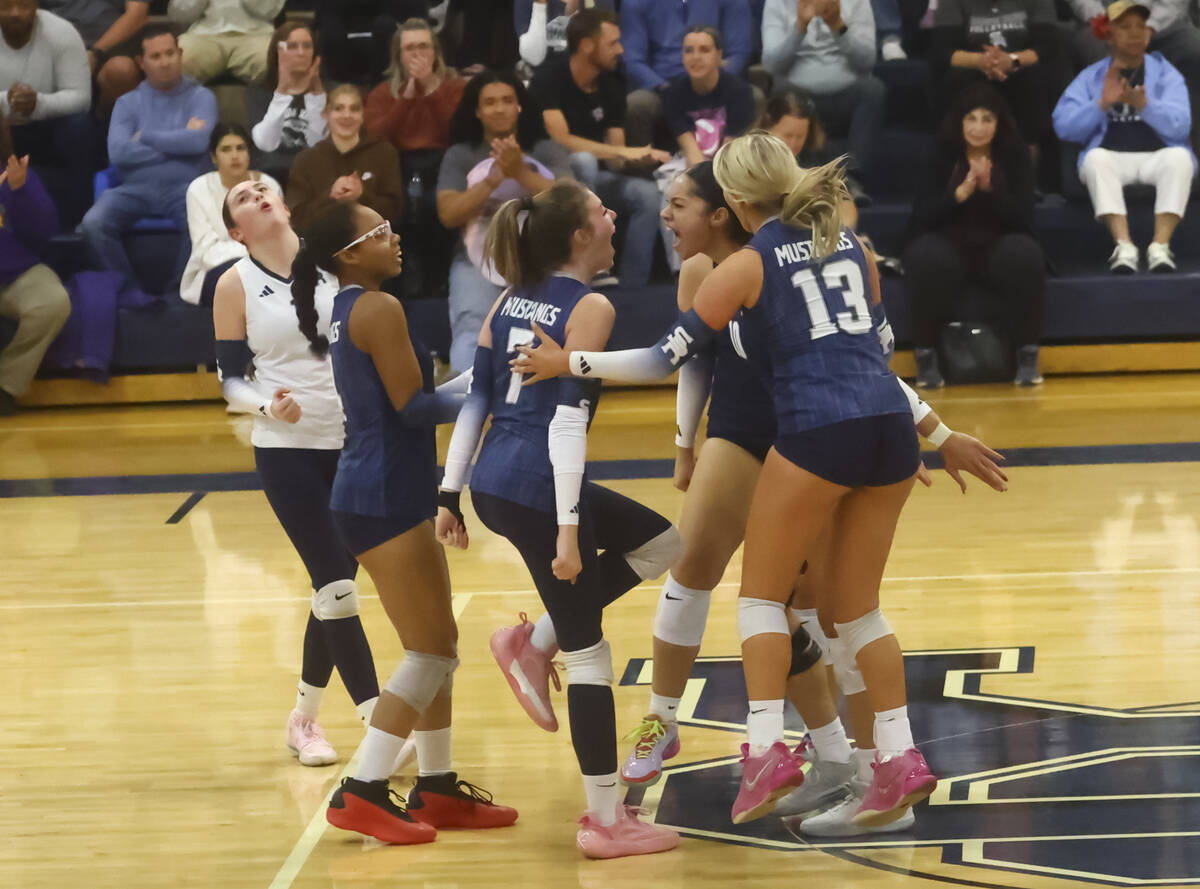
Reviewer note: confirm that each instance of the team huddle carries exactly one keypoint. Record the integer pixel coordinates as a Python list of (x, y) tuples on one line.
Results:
[(810, 455)]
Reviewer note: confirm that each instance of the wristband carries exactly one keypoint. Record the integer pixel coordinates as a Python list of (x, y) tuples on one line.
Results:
[(450, 500), (938, 436)]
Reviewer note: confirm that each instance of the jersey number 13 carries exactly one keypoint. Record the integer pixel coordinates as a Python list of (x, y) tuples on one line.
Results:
[(843, 277)]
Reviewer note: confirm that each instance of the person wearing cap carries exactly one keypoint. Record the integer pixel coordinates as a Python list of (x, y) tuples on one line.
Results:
[(1174, 35), (1130, 112)]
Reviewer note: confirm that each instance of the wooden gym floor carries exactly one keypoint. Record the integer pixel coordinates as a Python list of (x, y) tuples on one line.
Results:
[(150, 641)]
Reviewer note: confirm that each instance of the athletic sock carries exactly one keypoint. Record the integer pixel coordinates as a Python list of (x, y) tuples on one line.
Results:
[(366, 709), (665, 708), (308, 699), (603, 797), (433, 752), (317, 664), (764, 725), (351, 654), (862, 762), (893, 735), (543, 638), (830, 741), (379, 752)]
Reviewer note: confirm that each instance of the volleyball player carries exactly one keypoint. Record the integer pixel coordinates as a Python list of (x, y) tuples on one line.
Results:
[(297, 437), (383, 502), (845, 455), (740, 431), (528, 483)]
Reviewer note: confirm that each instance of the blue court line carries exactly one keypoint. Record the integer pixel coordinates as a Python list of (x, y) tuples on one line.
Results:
[(601, 470), (177, 515)]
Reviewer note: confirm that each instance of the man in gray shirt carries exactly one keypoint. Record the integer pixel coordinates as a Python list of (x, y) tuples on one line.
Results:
[(109, 30), (828, 48), (45, 93)]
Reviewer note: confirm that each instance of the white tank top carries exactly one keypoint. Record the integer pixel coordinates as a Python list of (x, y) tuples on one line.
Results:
[(283, 360)]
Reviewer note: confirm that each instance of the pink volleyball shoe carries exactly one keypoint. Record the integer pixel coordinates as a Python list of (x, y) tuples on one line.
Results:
[(307, 742), (628, 836), (529, 672), (898, 783), (766, 779)]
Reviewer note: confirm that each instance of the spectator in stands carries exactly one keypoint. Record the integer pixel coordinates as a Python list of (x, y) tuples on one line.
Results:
[(157, 140), (348, 167), (652, 33), (828, 48), (973, 223), (500, 151), (413, 107), (225, 36), (706, 105), (30, 293), (412, 110), (109, 29), (1006, 42), (1130, 112), (1173, 34), (542, 27), (583, 106), (213, 250), (287, 105), (356, 35), (791, 115), (45, 91)]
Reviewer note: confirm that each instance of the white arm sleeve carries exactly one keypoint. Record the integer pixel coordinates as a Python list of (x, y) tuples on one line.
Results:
[(695, 383), (458, 385), (920, 410), (568, 455), (532, 44), (242, 396), (463, 442)]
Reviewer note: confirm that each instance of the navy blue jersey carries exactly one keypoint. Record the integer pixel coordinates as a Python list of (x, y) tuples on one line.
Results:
[(514, 462), (388, 464), (740, 408), (821, 344)]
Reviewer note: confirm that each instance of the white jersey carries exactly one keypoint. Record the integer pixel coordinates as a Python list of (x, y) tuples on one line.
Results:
[(283, 360)]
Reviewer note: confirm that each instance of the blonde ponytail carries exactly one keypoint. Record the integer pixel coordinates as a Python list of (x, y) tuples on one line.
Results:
[(502, 245), (759, 169), (813, 203)]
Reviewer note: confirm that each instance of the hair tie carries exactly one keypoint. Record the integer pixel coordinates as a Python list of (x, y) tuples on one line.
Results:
[(527, 203)]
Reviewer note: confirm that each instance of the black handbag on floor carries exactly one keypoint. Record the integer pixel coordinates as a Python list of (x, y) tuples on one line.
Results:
[(973, 352)]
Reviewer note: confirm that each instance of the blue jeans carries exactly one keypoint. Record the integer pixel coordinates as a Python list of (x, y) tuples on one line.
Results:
[(857, 113), (887, 18), (636, 202), (471, 298), (119, 208)]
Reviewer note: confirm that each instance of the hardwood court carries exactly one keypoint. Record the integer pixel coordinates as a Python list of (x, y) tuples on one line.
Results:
[(149, 667)]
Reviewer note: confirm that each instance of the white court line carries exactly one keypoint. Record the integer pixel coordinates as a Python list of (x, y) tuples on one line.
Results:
[(297, 858), (731, 584)]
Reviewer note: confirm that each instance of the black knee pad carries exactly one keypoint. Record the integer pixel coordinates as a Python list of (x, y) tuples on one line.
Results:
[(806, 653)]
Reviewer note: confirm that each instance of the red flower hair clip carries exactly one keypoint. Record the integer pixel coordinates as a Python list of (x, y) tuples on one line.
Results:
[(1100, 25)]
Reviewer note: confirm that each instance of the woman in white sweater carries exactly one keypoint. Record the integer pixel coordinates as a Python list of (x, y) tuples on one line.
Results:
[(213, 251)]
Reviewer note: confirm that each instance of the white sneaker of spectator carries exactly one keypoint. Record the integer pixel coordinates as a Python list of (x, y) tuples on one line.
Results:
[(1159, 258), (1124, 259), (891, 50)]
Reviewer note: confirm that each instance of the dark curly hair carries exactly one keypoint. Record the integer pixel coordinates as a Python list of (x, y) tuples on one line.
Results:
[(981, 95), (466, 127)]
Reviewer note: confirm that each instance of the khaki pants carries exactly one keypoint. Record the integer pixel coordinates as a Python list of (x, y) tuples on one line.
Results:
[(208, 56), (39, 304)]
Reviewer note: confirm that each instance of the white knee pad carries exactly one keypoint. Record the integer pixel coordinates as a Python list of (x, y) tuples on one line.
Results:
[(682, 614), (589, 666), (420, 677), (336, 600), (758, 616), (845, 668), (656, 555), (862, 631), (812, 623)]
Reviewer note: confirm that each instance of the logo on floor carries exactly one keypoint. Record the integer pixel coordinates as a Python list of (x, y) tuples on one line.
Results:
[(1026, 786)]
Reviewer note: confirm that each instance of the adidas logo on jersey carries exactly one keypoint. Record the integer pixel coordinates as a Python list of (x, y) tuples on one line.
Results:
[(266, 291)]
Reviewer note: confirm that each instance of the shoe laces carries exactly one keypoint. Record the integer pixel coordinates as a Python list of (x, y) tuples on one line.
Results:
[(647, 735), (555, 666), (311, 731), (473, 792)]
